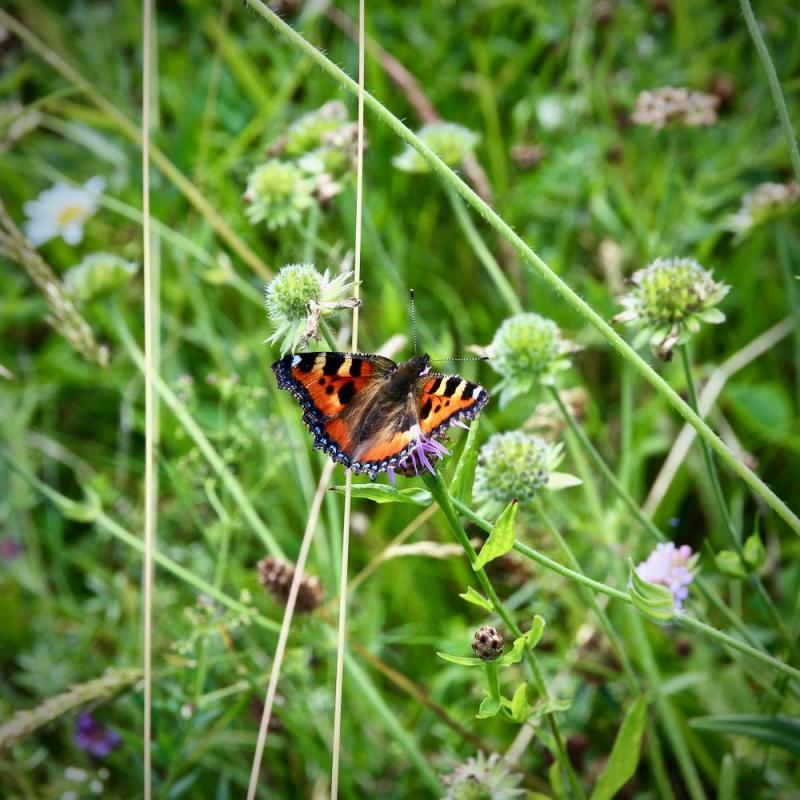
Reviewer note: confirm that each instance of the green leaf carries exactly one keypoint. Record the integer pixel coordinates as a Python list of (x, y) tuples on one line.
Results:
[(562, 480), (535, 633), (461, 486), (651, 599), (624, 756), (556, 782), (754, 552), (462, 661), (778, 731), (489, 707), (514, 655), (765, 408), (519, 703), (86, 510), (501, 539), (380, 493), (553, 705), (729, 563), (727, 778), (471, 596)]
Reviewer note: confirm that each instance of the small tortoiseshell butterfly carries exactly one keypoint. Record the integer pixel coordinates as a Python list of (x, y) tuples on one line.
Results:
[(371, 414)]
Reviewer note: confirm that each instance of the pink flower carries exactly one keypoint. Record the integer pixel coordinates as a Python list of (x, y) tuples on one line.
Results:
[(669, 566)]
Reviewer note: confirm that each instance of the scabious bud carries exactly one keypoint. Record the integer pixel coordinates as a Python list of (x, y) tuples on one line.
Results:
[(669, 566), (527, 349), (298, 297), (669, 300), (278, 193), (513, 466), (487, 643), (451, 142), (482, 778), (660, 107), (766, 201), (98, 274), (276, 576), (309, 132)]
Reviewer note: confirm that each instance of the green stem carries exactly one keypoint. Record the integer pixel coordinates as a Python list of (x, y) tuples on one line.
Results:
[(713, 474), (482, 252), (493, 680), (793, 298), (665, 711), (642, 518), (682, 619), (605, 622), (205, 447), (446, 503), (774, 84), (538, 265), (327, 334)]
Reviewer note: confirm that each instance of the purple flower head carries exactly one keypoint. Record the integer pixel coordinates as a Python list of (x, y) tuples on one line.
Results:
[(10, 549), (93, 738), (421, 454), (669, 566)]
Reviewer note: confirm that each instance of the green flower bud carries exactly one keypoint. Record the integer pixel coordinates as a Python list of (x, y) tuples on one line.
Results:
[(278, 193), (527, 349), (451, 142), (513, 466), (669, 300), (98, 274), (311, 130), (298, 297)]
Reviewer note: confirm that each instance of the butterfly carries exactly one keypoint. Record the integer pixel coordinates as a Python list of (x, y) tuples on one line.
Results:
[(371, 414)]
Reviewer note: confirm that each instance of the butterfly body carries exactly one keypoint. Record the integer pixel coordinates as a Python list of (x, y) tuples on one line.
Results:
[(367, 412)]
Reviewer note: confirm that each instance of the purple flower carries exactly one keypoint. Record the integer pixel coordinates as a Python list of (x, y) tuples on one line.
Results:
[(421, 453), (94, 738), (669, 566), (10, 549)]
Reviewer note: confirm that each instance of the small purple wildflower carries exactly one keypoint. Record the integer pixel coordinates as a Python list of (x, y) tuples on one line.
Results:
[(669, 566), (10, 549), (419, 452), (93, 738)]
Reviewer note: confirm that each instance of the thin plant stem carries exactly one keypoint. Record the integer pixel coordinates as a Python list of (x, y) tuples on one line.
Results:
[(286, 624), (602, 617), (665, 711), (681, 618), (448, 505), (150, 400), (342, 628), (570, 296), (711, 468), (483, 253), (792, 295), (206, 448), (640, 515), (774, 84)]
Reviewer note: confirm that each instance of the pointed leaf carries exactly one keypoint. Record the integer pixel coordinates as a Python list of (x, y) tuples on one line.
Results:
[(489, 708), (471, 596), (779, 731), (624, 756), (501, 539), (461, 486), (462, 661), (380, 493), (562, 480), (519, 703), (535, 633), (514, 655)]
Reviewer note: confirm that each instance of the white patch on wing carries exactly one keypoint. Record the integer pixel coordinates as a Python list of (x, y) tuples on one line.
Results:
[(295, 360)]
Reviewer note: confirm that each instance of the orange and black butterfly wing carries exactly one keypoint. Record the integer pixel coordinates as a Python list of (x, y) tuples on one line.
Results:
[(448, 399), (327, 385)]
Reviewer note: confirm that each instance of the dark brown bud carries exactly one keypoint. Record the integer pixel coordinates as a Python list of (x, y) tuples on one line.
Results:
[(487, 643), (276, 576)]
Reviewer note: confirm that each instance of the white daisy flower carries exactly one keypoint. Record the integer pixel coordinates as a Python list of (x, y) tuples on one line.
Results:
[(62, 211)]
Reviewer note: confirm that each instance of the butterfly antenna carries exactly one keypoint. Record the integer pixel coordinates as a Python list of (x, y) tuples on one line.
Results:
[(413, 319), (465, 358)]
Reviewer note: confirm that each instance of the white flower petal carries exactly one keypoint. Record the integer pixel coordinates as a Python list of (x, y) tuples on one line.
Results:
[(40, 230), (72, 232)]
